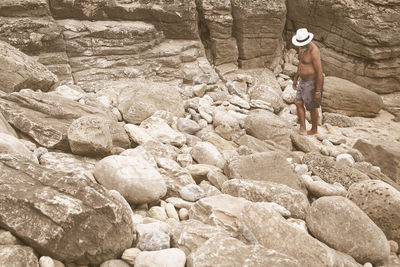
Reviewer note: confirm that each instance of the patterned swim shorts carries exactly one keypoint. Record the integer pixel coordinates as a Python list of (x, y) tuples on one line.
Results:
[(305, 92)]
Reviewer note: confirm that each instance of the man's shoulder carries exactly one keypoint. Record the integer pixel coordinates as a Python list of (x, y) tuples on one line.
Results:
[(315, 49)]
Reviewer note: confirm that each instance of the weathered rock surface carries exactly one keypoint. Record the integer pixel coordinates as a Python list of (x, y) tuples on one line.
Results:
[(381, 203), (262, 191), (150, 237), (46, 118), (172, 257), (384, 154), (11, 145), (16, 255), (271, 98), (266, 166), (222, 250), (140, 101), (265, 125), (5, 127), (133, 176), (114, 263), (361, 47), (162, 132), (342, 225), (269, 229), (14, 77), (347, 98), (391, 104), (61, 207), (305, 143), (330, 171), (207, 153), (339, 120), (321, 189)]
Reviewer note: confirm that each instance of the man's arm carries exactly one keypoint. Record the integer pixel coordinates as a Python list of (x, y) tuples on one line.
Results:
[(316, 61), (295, 79)]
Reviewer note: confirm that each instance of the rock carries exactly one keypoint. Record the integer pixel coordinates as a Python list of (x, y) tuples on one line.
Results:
[(289, 69), (220, 143), (179, 203), (134, 177), (266, 166), (138, 134), (184, 160), (162, 132), (262, 191), (171, 211), (46, 118), (5, 127), (305, 143), (183, 214), (45, 261), (172, 257), (14, 78), (209, 189), (394, 247), (289, 94), (192, 192), (342, 225), (265, 125), (375, 173), (380, 202), (268, 95), (188, 126), (7, 238), (269, 229), (158, 213), (347, 51), (222, 250), (338, 120), (330, 171), (300, 169), (207, 153), (345, 159), (257, 28), (150, 237), (199, 171), (57, 204), (384, 154), (391, 102), (339, 98), (321, 188), (140, 100), (226, 125), (114, 263), (17, 255), (130, 255), (90, 136), (216, 178), (238, 101), (11, 145), (69, 91)]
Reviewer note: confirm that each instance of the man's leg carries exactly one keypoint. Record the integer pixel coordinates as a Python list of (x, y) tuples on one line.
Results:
[(314, 121), (301, 116)]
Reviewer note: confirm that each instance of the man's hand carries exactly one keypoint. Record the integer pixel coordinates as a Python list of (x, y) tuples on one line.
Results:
[(294, 84), (317, 96)]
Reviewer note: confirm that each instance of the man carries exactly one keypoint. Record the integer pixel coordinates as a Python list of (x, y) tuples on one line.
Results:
[(309, 89)]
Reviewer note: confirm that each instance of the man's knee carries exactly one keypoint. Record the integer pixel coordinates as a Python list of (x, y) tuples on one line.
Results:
[(298, 103)]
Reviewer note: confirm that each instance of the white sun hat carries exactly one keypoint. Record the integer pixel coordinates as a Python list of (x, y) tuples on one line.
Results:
[(302, 37)]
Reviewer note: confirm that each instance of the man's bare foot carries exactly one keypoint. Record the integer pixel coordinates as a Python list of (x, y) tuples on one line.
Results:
[(302, 132), (312, 132)]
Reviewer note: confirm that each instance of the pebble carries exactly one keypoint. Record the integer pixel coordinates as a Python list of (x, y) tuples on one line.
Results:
[(191, 192), (183, 214), (158, 213), (45, 261)]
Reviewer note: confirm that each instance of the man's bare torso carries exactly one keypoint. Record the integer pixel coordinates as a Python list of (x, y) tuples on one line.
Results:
[(306, 67)]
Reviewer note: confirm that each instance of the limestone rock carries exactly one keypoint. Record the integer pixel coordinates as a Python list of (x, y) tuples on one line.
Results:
[(342, 225), (386, 155), (5, 127), (162, 132), (321, 188), (172, 257), (140, 101), (269, 229), (305, 143), (375, 173), (183, 214), (130, 255), (46, 261), (7, 238), (223, 250), (265, 125), (90, 136), (330, 171), (192, 192), (16, 255), (266, 166), (380, 202), (391, 102), (151, 238), (171, 211), (14, 78), (11, 145), (338, 120), (114, 263), (138, 134), (289, 94), (262, 191), (207, 153), (216, 178), (58, 204), (226, 125), (347, 98), (188, 126), (268, 95), (134, 177), (199, 171)]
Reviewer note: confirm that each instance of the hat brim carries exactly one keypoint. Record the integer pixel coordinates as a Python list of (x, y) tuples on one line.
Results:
[(297, 43)]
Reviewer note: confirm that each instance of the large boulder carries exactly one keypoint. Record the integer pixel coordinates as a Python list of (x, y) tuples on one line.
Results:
[(268, 95), (342, 225), (381, 202), (141, 100), (269, 228), (347, 98), (49, 209), (363, 47), (392, 104), (265, 125), (222, 250), (384, 154), (133, 176), (262, 191), (16, 255), (14, 77), (46, 118), (331, 171), (258, 27), (266, 166)]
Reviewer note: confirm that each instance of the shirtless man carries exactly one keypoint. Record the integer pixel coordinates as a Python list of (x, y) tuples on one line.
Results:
[(309, 90)]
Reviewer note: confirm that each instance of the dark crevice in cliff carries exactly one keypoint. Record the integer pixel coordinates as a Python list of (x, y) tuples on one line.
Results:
[(204, 32)]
